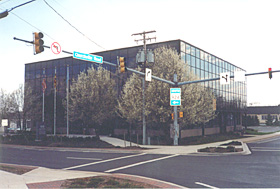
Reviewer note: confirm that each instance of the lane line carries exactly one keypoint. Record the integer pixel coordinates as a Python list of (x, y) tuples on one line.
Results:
[(94, 159), (107, 160), (140, 163), (264, 150), (276, 148), (206, 185), (266, 140)]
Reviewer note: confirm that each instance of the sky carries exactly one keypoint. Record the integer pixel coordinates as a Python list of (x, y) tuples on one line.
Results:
[(242, 32)]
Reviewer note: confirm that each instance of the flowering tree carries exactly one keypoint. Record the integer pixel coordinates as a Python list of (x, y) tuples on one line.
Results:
[(197, 101), (92, 99)]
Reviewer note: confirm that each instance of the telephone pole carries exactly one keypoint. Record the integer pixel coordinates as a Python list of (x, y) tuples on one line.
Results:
[(143, 88)]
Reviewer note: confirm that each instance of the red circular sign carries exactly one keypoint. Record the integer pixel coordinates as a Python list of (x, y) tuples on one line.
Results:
[(56, 48)]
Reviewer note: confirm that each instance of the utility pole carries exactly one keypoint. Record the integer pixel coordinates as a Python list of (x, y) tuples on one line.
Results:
[(143, 89)]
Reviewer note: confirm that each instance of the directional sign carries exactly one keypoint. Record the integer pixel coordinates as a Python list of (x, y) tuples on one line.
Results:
[(88, 57), (148, 74), (225, 78), (175, 96)]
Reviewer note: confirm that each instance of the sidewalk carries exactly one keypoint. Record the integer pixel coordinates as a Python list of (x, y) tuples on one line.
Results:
[(184, 150)]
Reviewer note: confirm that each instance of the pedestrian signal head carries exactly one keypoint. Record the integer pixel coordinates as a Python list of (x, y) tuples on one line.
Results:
[(181, 114)]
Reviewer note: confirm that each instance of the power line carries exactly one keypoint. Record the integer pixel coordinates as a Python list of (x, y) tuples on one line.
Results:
[(4, 2), (73, 26), (33, 26)]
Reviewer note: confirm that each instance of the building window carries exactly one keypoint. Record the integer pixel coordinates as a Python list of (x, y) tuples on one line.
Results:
[(264, 117), (183, 47)]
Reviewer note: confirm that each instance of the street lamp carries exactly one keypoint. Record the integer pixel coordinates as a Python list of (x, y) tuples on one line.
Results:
[(6, 12)]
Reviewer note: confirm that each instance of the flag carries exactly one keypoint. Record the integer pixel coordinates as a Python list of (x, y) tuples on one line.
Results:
[(44, 85), (54, 81)]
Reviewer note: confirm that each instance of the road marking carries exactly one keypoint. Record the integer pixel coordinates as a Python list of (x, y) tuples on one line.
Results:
[(266, 140), (107, 160), (94, 159), (264, 150), (140, 163), (276, 148), (206, 185)]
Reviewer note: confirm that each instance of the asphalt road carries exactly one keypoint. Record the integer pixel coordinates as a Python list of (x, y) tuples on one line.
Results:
[(261, 169)]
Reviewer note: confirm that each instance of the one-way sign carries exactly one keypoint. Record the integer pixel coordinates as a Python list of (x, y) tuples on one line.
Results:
[(88, 57)]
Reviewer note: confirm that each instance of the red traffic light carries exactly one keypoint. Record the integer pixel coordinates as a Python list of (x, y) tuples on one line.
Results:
[(270, 73)]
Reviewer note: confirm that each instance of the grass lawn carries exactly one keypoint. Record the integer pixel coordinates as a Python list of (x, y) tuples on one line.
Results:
[(103, 182), (208, 139), (57, 141), (16, 169), (255, 132)]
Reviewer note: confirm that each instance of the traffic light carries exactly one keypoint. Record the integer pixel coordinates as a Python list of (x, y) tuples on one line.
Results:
[(181, 114), (270, 73), (214, 104), (54, 81), (172, 115), (38, 42), (122, 64)]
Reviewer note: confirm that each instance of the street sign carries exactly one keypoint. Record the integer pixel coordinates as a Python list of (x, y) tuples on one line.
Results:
[(4, 122), (175, 96), (148, 75), (88, 57), (225, 78), (56, 48)]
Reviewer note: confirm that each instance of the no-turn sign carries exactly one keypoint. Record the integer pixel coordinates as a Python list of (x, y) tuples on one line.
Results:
[(56, 48)]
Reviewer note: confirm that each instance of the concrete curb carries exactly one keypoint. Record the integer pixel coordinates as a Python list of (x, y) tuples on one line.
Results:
[(245, 151), (151, 181)]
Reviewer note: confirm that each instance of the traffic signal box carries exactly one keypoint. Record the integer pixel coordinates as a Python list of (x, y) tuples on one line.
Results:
[(38, 42), (214, 104), (270, 73), (122, 64), (181, 114)]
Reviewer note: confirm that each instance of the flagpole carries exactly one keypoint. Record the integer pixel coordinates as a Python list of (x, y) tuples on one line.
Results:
[(43, 110), (67, 98), (54, 116)]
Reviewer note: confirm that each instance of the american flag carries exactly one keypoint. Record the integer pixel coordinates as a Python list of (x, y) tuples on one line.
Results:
[(44, 85)]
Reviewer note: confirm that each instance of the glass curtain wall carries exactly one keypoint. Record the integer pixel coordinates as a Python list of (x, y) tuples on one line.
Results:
[(231, 99)]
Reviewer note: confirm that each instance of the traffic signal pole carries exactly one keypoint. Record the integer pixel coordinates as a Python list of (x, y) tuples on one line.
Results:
[(176, 126)]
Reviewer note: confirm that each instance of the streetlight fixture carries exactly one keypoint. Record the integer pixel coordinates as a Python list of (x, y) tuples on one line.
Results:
[(6, 12)]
